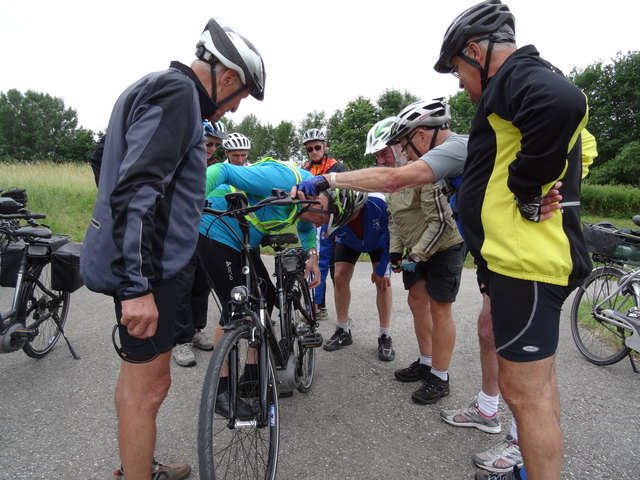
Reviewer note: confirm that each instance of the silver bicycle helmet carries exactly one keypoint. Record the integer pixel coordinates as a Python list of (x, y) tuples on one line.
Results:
[(313, 134), (423, 113), (236, 141), (217, 130), (219, 42), (484, 18), (379, 135)]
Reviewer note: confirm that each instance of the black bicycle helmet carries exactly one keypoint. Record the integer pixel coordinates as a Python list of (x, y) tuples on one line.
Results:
[(484, 18), (342, 205), (221, 43)]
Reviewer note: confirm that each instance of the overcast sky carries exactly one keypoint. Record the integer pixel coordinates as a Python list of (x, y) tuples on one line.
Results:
[(318, 55)]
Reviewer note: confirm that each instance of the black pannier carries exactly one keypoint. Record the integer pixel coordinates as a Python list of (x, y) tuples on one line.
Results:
[(65, 268)]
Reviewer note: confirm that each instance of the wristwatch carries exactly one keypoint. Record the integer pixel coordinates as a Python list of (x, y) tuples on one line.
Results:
[(312, 251), (413, 257)]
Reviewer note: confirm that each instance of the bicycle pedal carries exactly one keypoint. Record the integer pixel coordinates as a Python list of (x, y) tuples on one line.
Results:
[(312, 340)]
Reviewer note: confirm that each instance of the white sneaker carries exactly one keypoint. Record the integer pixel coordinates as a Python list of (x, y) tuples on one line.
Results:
[(201, 341), (322, 314), (183, 354), (501, 458)]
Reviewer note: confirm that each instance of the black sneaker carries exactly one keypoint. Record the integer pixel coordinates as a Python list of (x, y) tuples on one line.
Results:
[(414, 372), (386, 352), (431, 390), (339, 339)]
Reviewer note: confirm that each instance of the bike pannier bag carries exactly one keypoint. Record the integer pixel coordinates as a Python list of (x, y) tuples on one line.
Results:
[(18, 194), (11, 256), (65, 268)]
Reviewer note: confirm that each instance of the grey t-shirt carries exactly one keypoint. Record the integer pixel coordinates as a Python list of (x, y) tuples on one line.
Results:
[(447, 160)]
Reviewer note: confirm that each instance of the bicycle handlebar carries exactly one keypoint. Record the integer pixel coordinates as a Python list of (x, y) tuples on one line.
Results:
[(277, 197), (22, 216)]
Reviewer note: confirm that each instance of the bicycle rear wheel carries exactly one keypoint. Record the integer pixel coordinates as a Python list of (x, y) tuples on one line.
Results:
[(601, 342), (230, 445), (37, 305), (299, 304)]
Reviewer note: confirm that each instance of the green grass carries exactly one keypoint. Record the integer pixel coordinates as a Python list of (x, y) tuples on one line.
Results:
[(64, 192)]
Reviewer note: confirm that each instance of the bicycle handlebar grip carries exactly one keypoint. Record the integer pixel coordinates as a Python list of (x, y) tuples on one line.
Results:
[(636, 220)]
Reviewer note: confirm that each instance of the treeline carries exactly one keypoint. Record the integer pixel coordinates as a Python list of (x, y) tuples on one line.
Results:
[(35, 126)]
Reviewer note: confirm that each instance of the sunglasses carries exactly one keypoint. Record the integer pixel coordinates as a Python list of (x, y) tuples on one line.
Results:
[(317, 148), (211, 144)]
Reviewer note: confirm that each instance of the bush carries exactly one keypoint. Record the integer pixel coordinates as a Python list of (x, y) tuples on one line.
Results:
[(623, 169), (610, 201)]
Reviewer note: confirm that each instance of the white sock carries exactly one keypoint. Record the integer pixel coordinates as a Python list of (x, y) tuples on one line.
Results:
[(488, 405), (441, 374), (426, 360), (383, 331), (344, 326), (514, 430)]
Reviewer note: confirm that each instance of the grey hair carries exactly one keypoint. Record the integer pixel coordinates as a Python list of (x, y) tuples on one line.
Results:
[(484, 42)]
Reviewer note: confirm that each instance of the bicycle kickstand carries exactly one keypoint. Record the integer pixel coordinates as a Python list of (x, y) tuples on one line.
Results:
[(73, 352), (633, 363)]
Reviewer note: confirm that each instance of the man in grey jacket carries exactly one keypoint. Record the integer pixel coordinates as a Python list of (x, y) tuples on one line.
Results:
[(144, 226)]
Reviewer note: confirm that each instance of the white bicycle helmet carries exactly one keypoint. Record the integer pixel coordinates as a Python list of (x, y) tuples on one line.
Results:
[(431, 114), (379, 135), (313, 134), (217, 130), (219, 42), (236, 141)]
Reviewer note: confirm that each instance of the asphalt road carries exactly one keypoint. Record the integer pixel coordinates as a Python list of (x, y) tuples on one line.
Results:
[(57, 418)]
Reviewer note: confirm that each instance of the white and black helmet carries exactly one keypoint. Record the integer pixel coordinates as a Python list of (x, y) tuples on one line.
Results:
[(236, 141), (221, 43), (424, 113), (313, 134), (379, 135)]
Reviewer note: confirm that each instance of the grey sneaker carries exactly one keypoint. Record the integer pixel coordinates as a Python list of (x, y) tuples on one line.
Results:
[(512, 474), (322, 314), (386, 352), (501, 458), (472, 417), (201, 341), (339, 339), (183, 354), (171, 471)]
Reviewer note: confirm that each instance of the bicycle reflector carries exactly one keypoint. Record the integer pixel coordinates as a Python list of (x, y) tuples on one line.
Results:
[(239, 294)]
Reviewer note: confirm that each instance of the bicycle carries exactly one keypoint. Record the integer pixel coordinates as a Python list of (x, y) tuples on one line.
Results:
[(605, 314), (39, 307), (255, 360)]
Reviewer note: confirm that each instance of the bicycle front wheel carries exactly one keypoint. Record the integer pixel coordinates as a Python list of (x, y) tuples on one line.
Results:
[(299, 307), (233, 442), (44, 312), (601, 342)]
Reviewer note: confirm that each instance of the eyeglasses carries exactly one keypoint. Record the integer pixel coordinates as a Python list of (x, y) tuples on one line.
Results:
[(211, 144), (409, 142), (317, 148)]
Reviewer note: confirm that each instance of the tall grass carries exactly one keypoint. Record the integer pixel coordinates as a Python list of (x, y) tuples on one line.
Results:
[(65, 192)]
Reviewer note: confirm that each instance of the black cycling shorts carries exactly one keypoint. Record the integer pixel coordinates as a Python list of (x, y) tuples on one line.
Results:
[(442, 273), (345, 254), (223, 266), (525, 316), (166, 299)]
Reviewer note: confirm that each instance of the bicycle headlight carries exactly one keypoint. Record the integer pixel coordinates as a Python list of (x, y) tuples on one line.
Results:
[(239, 294)]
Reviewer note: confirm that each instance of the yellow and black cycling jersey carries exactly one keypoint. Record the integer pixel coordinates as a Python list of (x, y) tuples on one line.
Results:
[(525, 136)]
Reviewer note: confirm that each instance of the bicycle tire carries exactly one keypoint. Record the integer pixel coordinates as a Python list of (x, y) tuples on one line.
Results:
[(226, 451), (37, 303), (599, 341), (298, 297)]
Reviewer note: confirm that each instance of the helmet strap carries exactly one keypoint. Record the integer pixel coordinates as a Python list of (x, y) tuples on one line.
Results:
[(434, 137)]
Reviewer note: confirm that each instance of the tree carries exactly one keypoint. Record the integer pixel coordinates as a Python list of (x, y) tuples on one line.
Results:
[(391, 102), (624, 169), (462, 112), (37, 126), (614, 102), (348, 132)]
